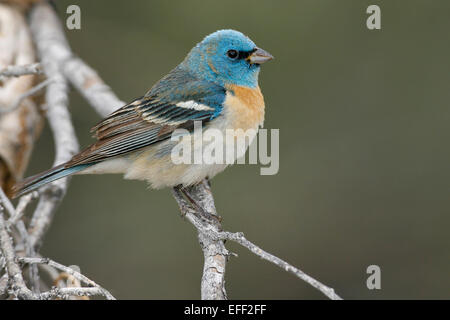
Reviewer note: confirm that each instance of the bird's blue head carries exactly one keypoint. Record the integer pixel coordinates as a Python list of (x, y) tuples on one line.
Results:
[(227, 57)]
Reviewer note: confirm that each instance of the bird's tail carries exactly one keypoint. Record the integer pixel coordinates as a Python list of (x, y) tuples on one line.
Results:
[(38, 180)]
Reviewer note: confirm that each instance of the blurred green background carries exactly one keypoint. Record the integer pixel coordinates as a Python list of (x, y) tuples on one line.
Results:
[(364, 152)]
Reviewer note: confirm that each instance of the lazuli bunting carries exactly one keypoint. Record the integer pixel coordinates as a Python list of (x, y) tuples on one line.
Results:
[(217, 84)]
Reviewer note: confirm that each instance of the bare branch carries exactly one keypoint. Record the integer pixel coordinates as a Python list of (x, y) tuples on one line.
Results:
[(66, 293), (24, 237), (214, 251), (17, 71), (17, 283), (239, 238), (6, 203), (24, 201), (213, 234), (3, 284), (25, 95), (70, 271)]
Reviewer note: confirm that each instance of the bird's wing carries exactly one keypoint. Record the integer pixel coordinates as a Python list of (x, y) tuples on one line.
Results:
[(176, 101)]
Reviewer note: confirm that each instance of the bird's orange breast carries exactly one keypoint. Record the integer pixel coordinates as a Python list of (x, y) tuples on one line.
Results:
[(245, 107)]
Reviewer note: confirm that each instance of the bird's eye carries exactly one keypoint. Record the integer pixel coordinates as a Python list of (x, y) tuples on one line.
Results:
[(233, 54)]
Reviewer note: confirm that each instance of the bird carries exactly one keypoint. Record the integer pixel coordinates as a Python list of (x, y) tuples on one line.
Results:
[(216, 85)]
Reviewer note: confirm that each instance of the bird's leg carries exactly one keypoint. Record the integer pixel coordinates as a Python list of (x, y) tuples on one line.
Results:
[(177, 190), (215, 216), (185, 192), (194, 203), (205, 214)]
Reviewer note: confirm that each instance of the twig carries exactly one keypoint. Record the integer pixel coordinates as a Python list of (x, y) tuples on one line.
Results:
[(17, 283), (239, 238), (66, 293), (6, 203), (29, 251), (25, 95), (70, 271), (17, 71), (211, 232), (24, 236), (24, 201), (3, 284)]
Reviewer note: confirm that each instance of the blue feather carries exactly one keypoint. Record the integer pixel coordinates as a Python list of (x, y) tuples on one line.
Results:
[(36, 181), (217, 67)]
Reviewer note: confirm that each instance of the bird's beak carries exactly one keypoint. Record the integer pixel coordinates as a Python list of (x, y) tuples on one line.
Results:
[(259, 56)]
